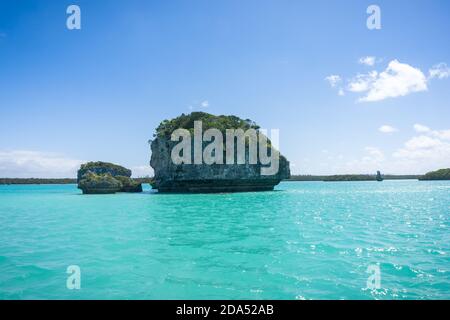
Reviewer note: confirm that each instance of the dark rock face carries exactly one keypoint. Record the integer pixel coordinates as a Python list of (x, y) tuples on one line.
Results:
[(379, 177), (204, 178), (128, 185), (104, 183), (104, 177)]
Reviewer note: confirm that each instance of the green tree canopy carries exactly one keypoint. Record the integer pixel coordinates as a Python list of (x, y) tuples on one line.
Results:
[(186, 121)]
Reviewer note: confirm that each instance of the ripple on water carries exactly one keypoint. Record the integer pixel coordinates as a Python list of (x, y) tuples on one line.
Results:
[(304, 241)]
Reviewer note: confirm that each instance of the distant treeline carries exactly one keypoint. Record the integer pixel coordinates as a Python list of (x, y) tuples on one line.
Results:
[(442, 174), (143, 180), (350, 177), (36, 181), (53, 181)]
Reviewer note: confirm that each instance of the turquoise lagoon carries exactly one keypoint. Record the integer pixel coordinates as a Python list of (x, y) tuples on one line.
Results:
[(306, 240)]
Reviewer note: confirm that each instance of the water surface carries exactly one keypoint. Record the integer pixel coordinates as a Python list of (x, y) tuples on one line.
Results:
[(306, 240)]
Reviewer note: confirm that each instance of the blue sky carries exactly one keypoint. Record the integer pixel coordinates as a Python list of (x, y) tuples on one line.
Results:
[(68, 96)]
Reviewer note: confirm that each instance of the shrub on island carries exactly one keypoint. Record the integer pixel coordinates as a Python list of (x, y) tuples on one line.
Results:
[(104, 177), (100, 167), (186, 121)]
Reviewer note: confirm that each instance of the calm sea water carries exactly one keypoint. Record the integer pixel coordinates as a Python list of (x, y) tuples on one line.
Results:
[(306, 240)]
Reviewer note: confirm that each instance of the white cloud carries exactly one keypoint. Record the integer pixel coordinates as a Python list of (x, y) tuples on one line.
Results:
[(333, 79), (34, 164), (372, 160), (441, 134), (399, 79), (142, 171), (440, 71), (422, 142), (421, 128), (426, 152), (362, 82), (375, 154), (387, 129), (368, 61), (202, 105)]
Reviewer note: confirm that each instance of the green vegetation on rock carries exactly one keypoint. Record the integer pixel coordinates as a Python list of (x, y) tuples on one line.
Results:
[(442, 174), (215, 177), (104, 177), (166, 127), (99, 183), (100, 167)]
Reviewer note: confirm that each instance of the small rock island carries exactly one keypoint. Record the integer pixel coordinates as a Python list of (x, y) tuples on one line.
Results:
[(105, 178), (194, 177), (379, 177)]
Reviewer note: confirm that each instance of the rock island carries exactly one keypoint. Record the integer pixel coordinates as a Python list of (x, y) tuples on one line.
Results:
[(104, 177), (192, 176)]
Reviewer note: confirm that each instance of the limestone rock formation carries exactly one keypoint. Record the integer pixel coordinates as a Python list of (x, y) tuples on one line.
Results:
[(206, 178), (379, 177), (104, 177), (92, 183), (128, 185)]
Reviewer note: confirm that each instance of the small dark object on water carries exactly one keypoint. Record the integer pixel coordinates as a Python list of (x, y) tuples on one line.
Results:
[(379, 177)]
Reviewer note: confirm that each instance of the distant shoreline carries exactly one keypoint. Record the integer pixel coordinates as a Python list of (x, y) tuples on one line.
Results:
[(439, 175), (351, 177), (324, 178), (38, 181), (8, 181)]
